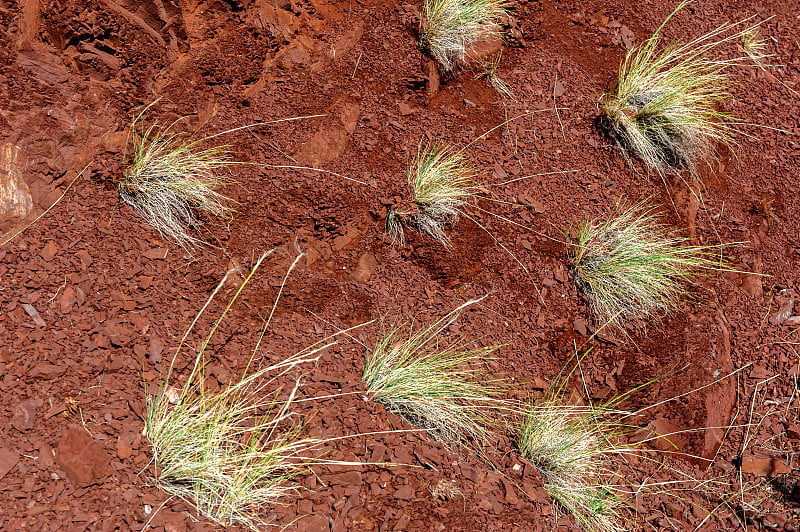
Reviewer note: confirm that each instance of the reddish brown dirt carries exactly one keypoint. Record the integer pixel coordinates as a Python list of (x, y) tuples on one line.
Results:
[(113, 298)]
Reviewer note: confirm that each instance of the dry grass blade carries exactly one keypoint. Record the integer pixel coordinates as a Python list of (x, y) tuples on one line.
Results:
[(630, 268), (433, 383), (489, 71), (449, 27), (441, 182), (233, 453), (664, 105), (755, 46), (171, 178)]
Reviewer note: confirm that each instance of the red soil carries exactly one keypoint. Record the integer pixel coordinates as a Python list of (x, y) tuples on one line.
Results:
[(113, 298)]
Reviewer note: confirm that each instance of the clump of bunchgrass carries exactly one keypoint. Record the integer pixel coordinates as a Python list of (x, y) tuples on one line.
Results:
[(596, 508), (232, 453), (171, 178), (229, 454), (441, 182), (562, 440), (664, 106), (630, 267), (433, 383), (588, 453), (572, 446), (449, 27)]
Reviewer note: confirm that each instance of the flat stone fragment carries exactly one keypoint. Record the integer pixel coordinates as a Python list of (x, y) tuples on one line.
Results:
[(8, 460), (83, 459), (24, 416)]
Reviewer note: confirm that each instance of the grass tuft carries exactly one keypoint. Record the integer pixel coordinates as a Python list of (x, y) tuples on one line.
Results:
[(594, 508), (449, 27), (664, 106), (630, 268), (230, 454), (170, 179), (572, 445), (433, 383), (441, 181), (560, 439)]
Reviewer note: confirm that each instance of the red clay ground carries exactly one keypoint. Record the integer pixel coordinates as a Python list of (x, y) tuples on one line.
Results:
[(113, 298)]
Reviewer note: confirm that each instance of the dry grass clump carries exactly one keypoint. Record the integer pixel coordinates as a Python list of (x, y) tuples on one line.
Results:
[(571, 446), (171, 178), (589, 455), (433, 383), (445, 490), (449, 27), (664, 106), (230, 454), (629, 266), (441, 181)]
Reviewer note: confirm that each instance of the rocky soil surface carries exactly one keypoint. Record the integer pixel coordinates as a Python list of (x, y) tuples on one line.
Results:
[(93, 302)]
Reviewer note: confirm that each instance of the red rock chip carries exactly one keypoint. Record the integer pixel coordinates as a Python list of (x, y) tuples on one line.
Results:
[(83, 459)]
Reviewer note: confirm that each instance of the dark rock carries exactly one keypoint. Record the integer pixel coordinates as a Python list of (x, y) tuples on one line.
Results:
[(404, 493), (470, 473), (46, 371), (344, 479), (366, 266), (316, 523)]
